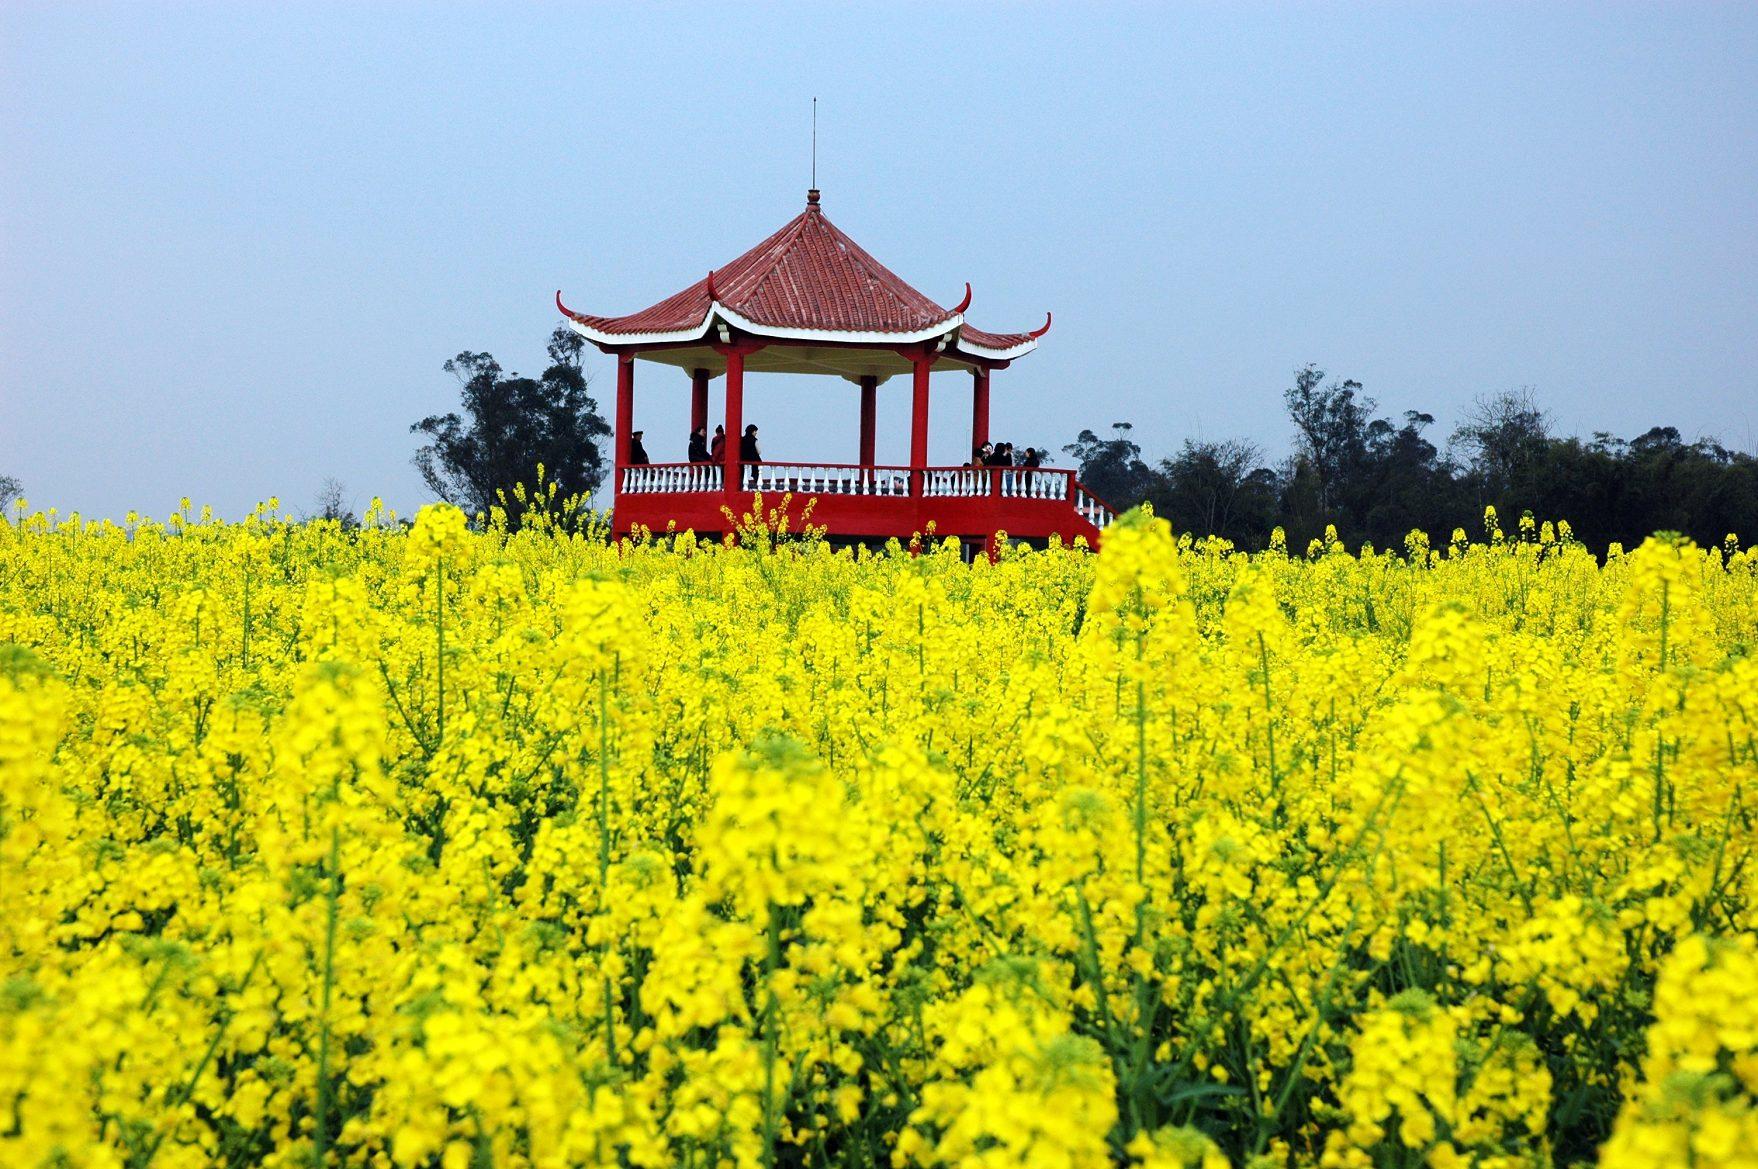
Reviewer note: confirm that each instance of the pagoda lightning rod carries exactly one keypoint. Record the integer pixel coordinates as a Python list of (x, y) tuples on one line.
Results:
[(814, 144)]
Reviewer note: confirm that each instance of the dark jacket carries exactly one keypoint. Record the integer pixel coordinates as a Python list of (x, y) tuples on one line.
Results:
[(637, 453), (698, 448), (748, 449)]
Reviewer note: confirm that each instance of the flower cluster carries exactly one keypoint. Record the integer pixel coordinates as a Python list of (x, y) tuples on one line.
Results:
[(456, 846)]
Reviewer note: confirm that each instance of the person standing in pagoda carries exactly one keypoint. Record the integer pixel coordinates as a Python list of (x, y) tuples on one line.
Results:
[(637, 452), (699, 445), (748, 452), (717, 448), (1003, 457)]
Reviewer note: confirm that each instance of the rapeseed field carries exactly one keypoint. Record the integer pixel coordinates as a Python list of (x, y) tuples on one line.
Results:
[(449, 845)]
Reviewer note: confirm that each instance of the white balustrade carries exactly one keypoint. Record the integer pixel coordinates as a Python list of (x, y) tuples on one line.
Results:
[(1091, 509), (1034, 483), (955, 484), (1037, 483), (820, 479), (1006, 482), (671, 478)]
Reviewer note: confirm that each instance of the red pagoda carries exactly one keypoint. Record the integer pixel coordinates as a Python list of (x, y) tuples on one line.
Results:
[(810, 300)]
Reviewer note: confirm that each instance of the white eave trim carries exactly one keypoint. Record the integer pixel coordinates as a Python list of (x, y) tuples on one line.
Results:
[(845, 336), (715, 309), (601, 337), (975, 350)]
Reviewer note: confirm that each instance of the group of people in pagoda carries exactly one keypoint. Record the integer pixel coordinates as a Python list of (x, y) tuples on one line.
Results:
[(1000, 454), (701, 448)]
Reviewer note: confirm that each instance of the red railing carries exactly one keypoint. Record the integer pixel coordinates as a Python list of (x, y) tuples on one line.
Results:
[(1049, 484)]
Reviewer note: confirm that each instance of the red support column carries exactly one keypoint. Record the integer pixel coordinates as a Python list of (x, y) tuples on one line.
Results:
[(735, 419), (698, 400), (979, 407), (919, 421), (869, 417), (625, 409)]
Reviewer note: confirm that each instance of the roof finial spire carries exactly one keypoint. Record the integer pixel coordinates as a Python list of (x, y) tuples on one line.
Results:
[(812, 192)]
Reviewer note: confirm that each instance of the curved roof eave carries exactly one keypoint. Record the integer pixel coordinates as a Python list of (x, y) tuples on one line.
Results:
[(600, 337), (758, 329), (983, 351), (847, 336)]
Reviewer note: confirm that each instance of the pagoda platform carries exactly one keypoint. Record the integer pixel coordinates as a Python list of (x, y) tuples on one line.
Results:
[(867, 502)]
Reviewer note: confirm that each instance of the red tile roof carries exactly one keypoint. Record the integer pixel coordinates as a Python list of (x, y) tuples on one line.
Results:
[(809, 276), (969, 336)]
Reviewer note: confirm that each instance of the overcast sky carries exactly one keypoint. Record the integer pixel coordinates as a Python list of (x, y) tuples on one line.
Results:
[(238, 242)]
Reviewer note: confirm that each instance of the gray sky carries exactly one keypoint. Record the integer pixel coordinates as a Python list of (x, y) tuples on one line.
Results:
[(237, 243)]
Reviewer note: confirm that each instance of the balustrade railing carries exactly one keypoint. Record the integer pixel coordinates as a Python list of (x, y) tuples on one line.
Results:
[(1091, 508), (672, 478), (1005, 482), (1039, 483), (826, 479)]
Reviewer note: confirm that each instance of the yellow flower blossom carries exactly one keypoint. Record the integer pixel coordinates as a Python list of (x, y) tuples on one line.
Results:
[(451, 845)]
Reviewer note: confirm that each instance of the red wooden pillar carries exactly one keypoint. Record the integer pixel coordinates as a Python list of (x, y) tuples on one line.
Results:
[(698, 400), (735, 419), (979, 407), (869, 417), (625, 407), (919, 421)]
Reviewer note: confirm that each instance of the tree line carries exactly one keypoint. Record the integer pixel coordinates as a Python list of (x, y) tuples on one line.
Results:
[(1373, 478), (1376, 478)]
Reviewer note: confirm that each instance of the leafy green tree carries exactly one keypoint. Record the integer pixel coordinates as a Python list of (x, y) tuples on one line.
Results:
[(1403, 484), (1504, 437), (1112, 467), (1217, 488), (510, 425), (1331, 424)]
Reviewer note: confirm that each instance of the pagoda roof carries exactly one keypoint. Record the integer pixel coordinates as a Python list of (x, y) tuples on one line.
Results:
[(809, 282)]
